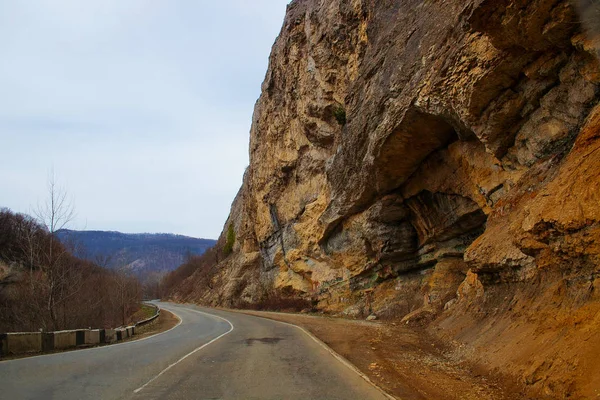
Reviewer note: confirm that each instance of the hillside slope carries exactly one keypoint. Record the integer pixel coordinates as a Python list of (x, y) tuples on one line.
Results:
[(44, 286), (435, 162), (141, 253)]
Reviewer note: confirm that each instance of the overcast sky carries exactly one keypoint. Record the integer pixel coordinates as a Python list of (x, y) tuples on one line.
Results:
[(141, 107)]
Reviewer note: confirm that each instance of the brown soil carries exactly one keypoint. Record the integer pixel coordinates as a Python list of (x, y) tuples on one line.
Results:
[(405, 362)]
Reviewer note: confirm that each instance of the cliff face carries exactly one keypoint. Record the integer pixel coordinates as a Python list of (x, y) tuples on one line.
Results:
[(435, 161)]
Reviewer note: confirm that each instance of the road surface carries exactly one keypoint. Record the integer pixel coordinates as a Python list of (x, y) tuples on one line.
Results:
[(210, 355)]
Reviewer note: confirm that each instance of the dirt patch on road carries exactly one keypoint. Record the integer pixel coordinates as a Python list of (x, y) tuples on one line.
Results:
[(405, 362)]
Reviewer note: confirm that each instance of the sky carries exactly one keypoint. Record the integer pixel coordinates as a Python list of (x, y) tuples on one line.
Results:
[(142, 108)]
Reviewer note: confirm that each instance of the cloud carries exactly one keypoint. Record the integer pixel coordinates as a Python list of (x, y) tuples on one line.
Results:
[(143, 107)]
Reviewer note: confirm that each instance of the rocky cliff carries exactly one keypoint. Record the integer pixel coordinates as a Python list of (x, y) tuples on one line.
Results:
[(436, 162)]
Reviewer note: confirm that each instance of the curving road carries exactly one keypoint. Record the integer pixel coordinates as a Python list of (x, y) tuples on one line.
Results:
[(211, 354)]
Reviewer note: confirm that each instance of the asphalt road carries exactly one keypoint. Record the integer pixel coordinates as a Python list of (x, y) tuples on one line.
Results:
[(210, 355)]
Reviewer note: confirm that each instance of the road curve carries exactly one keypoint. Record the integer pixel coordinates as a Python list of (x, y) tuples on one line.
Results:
[(212, 354)]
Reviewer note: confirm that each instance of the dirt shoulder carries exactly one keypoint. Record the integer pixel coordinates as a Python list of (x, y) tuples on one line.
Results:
[(406, 363)]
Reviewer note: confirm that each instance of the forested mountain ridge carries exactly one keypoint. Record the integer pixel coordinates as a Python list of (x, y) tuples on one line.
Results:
[(140, 253)]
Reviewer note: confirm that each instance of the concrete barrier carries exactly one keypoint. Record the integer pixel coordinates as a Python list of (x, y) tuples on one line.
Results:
[(35, 342), (65, 340), (3, 344), (26, 342), (92, 336), (80, 336), (47, 341), (110, 335)]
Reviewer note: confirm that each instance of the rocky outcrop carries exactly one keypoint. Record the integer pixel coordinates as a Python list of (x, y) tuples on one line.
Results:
[(434, 162)]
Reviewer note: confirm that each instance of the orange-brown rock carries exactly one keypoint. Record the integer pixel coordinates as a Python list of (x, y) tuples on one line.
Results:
[(437, 162)]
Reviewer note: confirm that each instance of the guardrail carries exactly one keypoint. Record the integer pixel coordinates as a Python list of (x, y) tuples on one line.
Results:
[(148, 320), (18, 343)]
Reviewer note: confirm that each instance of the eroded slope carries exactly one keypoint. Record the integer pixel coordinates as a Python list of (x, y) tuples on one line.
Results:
[(436, 162)]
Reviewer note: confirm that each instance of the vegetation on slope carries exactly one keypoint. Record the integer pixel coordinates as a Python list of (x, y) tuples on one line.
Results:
[(228, 248), (140, 253), (195, 274), (43, 286)]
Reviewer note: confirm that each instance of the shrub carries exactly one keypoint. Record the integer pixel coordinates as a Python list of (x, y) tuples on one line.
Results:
[(228, 248), (340, 115)]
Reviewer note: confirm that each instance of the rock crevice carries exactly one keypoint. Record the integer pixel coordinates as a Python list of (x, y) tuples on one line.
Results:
[(432, 162)]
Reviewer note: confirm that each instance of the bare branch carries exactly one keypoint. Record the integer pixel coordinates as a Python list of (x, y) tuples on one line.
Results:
[(57, 211)]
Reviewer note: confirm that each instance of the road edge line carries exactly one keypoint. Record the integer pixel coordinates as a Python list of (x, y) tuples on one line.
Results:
[(335, 354), (190, 353)]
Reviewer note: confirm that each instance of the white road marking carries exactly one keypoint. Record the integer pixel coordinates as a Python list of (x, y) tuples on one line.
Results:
[(190, 353), (337, 356), (343, 361)]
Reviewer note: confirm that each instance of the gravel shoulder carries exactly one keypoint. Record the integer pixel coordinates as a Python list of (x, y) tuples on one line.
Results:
[(405, 362)]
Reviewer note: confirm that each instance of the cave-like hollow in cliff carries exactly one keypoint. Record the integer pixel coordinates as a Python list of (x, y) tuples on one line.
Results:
[(406, 236)]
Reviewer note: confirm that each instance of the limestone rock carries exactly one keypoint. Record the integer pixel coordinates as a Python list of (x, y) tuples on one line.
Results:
[(407, 153)]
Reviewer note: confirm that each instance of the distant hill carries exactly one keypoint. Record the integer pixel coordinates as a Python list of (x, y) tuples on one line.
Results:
[(143, 254)]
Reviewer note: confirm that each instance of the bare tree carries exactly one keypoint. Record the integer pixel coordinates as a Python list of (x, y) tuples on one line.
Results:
[(103, 260), (61, 280), (57, 211), (57, 292), (127, 293)]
